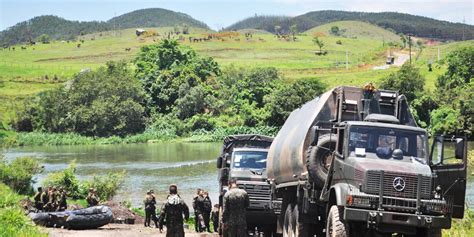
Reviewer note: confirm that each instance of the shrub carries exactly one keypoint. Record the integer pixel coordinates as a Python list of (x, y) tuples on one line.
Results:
[(407, 81), (106, 185), (67, 180), (18, 174)]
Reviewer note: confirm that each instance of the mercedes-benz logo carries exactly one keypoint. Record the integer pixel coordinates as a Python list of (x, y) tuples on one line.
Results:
[(399, 184)]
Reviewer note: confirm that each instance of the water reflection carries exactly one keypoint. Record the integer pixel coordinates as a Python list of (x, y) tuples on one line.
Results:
[(148, 166)]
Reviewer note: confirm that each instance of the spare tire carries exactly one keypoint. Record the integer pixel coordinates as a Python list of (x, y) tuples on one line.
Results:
[(319, 158)]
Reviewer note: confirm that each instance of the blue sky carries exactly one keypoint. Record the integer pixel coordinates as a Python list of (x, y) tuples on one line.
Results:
[(222, 13)]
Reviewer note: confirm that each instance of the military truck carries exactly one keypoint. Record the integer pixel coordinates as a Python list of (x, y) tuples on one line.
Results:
[(353, 162), (244, 159)]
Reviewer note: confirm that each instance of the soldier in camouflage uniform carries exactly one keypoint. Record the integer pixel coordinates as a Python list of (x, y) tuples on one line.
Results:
[(196, 210), (150, 209), (172, 214), (39, 199), (92, 198), (234, 220)]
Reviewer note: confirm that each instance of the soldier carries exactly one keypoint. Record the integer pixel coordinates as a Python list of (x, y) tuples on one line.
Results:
[(236, 202), (196, 211), (44, 198), (199, 211), (172, 214), (206, 212), (150, 208), (38, 200), (62, 202), (92, 198), (51, 205), (215, 217)]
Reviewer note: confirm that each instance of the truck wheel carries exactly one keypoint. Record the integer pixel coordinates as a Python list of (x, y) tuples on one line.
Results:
[(301, 229), (319, 158), (335, 226), (288, 226), (430, 233)]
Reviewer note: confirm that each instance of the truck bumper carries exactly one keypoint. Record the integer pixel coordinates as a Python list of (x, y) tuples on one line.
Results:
[(259, 217), (374, 218)]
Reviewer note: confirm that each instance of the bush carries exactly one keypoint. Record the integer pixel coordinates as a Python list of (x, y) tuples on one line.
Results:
[(106, 185), (407, 81), (67, 180), (18, 174), (445, 120), (13, 221)]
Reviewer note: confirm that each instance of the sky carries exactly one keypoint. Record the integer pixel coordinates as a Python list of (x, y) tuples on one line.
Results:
[(218, 14)]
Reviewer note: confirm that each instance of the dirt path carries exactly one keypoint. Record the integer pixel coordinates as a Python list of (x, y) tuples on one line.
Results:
[(400, 58), (118, 230)]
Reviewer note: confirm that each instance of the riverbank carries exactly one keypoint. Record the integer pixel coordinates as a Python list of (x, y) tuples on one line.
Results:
[(149, 136)]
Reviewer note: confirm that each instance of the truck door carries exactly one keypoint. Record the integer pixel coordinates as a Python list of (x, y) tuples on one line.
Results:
[(448, 161)]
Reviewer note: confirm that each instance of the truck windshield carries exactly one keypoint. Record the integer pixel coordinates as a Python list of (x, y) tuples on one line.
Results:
[(386, 143), (250, 160)]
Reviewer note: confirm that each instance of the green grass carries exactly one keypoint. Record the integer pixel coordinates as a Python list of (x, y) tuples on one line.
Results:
[(13, 221), (357, 29)]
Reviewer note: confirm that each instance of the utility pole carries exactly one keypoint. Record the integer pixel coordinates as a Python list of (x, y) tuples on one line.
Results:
[(347, 60), (409, 45)]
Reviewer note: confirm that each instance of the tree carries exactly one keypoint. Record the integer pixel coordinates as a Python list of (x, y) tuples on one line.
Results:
[(277, 29), (287, 98), (407, 81), (293, 30), (185, 29), (404, 40), (335, 30), (445, 120), (319, 43), (102, 103), (44, 38), (460, 69), (166, 67)]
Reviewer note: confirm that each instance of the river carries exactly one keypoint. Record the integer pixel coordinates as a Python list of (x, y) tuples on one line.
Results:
[(148, 166)]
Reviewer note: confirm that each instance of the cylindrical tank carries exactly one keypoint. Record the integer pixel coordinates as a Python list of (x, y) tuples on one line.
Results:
[(286, 160)]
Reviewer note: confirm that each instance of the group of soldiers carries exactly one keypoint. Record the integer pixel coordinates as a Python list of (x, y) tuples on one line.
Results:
[(55, 199), (52, 199), (175, 211), (202, 211)]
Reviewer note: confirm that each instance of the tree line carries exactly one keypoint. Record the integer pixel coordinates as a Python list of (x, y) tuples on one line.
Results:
[(396, 22)]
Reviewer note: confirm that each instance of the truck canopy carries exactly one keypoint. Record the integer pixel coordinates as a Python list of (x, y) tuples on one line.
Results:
[(245, 141)]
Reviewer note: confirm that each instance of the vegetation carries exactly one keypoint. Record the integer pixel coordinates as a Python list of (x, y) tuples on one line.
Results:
[(13, 221), (18, 173), (106, 185), (397, 22), (57, 28), (407, 81)]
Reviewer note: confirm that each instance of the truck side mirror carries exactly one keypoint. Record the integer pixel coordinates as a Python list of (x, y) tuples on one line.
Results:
[(314, 135), (459, 150), (219, 162)]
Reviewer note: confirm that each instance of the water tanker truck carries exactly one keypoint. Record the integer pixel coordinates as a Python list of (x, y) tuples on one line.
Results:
[(244, 159), (353, 162)]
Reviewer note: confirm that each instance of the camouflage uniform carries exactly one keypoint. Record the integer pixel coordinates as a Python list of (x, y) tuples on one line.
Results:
[(150, 209), (52, 203), (39, 200), (206, 212), (236, 202), (172, 214), (62, 203), (92, 199)]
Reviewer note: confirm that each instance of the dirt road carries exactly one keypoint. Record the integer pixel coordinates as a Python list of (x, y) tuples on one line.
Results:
[(118, 230)]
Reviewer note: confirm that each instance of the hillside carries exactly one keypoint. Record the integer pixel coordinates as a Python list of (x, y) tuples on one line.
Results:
[(356, 29), (399, 22), (55, 27), (154, 17), (61, 29)]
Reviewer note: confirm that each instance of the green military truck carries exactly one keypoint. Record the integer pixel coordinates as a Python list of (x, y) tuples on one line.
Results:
[(244, 159), (353, 162)]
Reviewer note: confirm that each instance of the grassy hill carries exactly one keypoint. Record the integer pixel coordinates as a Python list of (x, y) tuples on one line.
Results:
[(356, 29), (399, 22), (154, 17), (61, 29)]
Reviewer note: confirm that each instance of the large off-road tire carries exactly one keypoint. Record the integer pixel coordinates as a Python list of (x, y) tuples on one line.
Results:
[(301, 229), (319, 158), (429, 232), (336, 226), (288, 223)]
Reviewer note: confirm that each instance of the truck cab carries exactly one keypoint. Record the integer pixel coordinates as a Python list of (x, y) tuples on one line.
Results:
[(244, 159), (353, 162)]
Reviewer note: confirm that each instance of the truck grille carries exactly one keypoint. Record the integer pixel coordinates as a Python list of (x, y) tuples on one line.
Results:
[(259, 195), (372, 184)]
